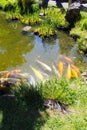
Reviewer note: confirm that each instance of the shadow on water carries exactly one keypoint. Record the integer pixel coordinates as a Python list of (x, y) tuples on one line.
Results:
[(22, 112)]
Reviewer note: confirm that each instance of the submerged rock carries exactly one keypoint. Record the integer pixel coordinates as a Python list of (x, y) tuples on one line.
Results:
[(26, 29)]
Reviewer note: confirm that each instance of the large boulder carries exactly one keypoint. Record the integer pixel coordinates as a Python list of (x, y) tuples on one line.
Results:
[(73, 13)]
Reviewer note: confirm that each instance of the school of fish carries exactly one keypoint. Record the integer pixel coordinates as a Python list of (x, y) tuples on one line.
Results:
[(64, 68)]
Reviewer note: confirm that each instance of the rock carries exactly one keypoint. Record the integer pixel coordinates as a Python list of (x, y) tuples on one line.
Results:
[(83, 8), (53, 104), (85, 38), (41, 14), (45, 3), (26, 29), (73, 13)]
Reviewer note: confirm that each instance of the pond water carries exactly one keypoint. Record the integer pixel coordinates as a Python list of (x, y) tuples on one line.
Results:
[(18, 51)]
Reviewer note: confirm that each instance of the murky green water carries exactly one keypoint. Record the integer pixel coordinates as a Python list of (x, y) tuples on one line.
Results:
[(18, 51)]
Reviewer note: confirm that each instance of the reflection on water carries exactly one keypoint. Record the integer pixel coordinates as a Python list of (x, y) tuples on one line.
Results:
[(21, 51)]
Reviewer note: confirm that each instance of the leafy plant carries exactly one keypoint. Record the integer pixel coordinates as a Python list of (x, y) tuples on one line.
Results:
[(82, 45), (58, 89)]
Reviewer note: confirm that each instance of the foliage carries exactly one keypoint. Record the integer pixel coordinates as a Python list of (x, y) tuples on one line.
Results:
[(31, 19), (45, 30), (81, 26), (82, 45), (8, 5), (80, 30), (58, 89), (26, 6)]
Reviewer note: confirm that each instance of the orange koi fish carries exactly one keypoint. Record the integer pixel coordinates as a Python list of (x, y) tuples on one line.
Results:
[(7, 73), (66, 59)]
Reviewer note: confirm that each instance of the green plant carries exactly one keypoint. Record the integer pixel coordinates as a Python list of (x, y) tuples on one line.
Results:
[(82, 45), (58, 89), (28, 94), (26, 6)]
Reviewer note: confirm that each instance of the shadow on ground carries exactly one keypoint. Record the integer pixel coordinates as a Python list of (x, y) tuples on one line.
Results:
[(21, 113)]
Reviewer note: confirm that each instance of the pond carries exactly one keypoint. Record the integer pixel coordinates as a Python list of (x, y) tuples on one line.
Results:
[(18, 51)]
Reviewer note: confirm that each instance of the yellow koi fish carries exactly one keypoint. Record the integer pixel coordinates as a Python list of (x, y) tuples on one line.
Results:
[(68, 72), (60, 67), (76, 69), (74, 74), (37, 73)]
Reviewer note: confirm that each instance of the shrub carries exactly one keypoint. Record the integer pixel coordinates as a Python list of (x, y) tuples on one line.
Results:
[(26, 6), (58, 89)]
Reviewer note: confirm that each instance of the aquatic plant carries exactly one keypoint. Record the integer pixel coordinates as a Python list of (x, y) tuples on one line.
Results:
[(45, 30), (31, 19)]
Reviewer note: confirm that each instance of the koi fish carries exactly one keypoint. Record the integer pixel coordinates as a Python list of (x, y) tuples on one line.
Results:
[(76, 69), (60, 67), (45, 66), (8, 73), (56, 71), (74, 74), (3, 73), (68, 73), (37, 73), (66, 59)]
